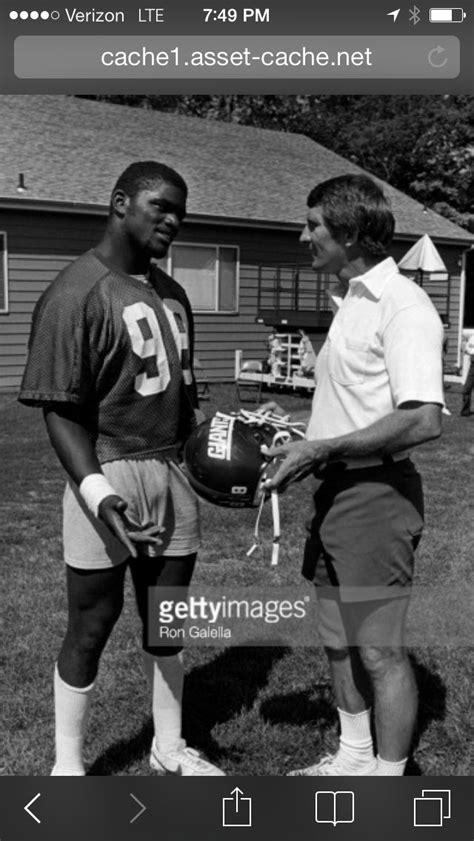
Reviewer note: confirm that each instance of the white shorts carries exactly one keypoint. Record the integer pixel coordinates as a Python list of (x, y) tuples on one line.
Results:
[(155, 491)]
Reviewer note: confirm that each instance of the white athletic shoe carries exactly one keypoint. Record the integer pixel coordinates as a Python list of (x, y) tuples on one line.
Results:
[(333, 766), (183, 761)]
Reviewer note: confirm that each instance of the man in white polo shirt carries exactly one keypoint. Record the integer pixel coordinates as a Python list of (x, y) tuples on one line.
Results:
[(379, 393)]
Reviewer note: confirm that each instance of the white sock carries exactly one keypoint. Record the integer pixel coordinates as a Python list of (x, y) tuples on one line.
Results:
[(166, 675), (71, 706), (355, 742), (390, 769)]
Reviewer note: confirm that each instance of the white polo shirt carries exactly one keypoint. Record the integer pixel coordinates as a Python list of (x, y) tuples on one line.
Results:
[(384, 348)]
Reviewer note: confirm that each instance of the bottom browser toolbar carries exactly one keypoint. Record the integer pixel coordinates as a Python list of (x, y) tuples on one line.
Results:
[(174, 809)]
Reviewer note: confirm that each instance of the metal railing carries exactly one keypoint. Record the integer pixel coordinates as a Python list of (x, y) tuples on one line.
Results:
[(297, 294), (296, 291)]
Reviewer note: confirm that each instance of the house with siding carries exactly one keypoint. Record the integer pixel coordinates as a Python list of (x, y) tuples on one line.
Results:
[(238, 253)]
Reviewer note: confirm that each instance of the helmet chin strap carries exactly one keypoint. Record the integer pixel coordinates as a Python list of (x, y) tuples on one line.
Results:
[(286, 431), (276, 528), (257, 543)]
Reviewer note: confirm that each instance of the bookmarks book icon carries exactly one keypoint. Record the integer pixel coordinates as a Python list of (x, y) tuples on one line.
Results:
[(334, 807)]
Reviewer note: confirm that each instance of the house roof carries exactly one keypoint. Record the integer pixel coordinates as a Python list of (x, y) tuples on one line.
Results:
[(72, 150)]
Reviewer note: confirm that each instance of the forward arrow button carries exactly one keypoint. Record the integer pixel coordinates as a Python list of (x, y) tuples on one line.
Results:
[(142, 808)]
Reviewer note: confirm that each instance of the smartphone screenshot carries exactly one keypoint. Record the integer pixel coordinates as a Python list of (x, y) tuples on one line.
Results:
[(236, 420)]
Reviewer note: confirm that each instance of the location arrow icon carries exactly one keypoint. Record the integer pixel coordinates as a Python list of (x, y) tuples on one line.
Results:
[(142, 808), (27, 808), (394, 14)]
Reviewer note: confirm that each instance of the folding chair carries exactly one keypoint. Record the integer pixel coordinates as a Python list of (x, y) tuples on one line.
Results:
[(250, 377)]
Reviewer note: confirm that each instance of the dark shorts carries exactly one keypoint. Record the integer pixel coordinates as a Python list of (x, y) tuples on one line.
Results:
[(366, 527)]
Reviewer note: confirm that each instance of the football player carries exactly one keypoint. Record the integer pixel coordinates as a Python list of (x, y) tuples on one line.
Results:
[(109, 362)]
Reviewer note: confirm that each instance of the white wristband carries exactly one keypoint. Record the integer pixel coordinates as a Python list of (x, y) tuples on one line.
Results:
[(93, 489)]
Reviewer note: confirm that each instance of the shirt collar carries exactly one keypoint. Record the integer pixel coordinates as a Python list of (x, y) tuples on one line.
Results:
[(335, 302), (377, 277)]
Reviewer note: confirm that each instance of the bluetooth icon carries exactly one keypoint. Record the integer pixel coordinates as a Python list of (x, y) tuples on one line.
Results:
[(415, 15)]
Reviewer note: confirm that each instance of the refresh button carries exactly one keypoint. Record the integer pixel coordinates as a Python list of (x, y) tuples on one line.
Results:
[(436, 58)]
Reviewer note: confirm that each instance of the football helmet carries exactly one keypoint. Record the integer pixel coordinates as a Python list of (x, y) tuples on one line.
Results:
[(225, 464), (223, 460), (223, 457)]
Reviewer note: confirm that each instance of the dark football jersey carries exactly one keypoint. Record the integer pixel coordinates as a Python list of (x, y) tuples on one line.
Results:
[(119, 347)]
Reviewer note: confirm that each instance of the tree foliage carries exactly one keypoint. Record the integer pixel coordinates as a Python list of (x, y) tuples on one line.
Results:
[(423, 145)]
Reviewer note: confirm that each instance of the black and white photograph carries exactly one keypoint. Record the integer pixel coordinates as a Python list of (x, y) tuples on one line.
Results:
[(237, 436)]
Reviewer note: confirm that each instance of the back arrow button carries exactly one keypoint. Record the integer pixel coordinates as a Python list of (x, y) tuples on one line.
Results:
[(27, 808)]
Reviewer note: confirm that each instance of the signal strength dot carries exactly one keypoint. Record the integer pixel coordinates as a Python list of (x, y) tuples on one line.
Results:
[(34, 15)]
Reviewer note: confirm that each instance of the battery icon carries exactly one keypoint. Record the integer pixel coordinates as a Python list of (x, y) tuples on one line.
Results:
[(447, 15)]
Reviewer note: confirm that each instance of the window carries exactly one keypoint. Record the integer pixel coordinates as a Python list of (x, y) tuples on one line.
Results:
[(3, 273), (208, 273)]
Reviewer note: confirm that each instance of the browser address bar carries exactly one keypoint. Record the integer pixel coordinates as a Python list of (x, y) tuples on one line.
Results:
[(237, 57)]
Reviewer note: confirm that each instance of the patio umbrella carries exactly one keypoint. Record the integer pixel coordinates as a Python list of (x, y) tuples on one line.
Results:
[(424, 257)]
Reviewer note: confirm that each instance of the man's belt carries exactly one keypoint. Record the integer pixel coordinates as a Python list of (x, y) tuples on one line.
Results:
[(338, 467)]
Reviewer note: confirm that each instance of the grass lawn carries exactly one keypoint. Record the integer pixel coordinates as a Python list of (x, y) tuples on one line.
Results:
[(256, 711)]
